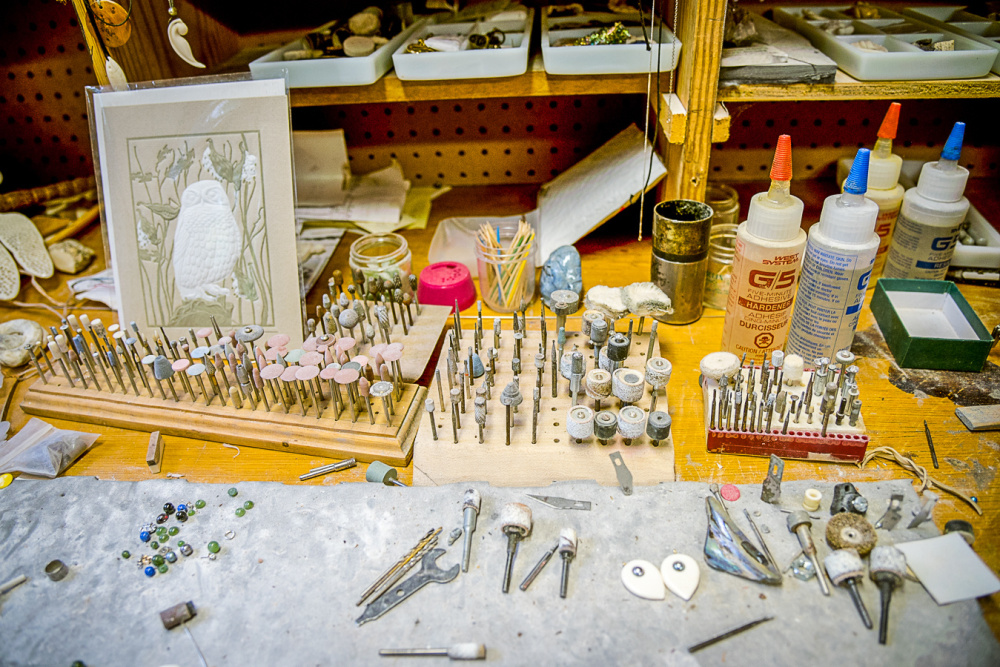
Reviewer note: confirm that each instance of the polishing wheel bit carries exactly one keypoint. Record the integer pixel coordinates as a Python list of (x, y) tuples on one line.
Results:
[(850, 531)]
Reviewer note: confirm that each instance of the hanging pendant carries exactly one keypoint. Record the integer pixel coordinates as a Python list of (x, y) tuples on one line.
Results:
[(112, 21), (176, 30)]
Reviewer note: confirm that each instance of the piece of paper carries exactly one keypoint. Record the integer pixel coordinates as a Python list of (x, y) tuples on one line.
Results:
[(322, 171), (377, 197), (315, 248), (96, 287), (949, 569), (416, 211)]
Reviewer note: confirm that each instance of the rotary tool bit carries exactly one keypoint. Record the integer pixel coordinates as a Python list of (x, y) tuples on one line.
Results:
[(799, 523), (887, 567), (567, 550), (846, 569), (515, 520), (471, 504)]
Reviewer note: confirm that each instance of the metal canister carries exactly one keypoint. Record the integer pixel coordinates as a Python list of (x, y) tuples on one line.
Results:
[(681, 230)]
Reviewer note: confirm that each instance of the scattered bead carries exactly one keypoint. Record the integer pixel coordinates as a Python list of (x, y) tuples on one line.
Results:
[(232, 492), (230, 534), (162, 530), (240, 511), (168, 508), (154, 544), (181, 543), (183, 516), (212, 556), (186, 550), (214, 547), (248, 505), (158, 560), (174, 530), (170, 557), (181, 507), (161, 518), (126, 555), (162, 569), (150, 571), (78, 663), (199, 504), (144, 536)]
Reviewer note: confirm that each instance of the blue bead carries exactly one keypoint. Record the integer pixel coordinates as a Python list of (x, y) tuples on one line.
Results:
[(150, 570), (144, 536), (182, 508)]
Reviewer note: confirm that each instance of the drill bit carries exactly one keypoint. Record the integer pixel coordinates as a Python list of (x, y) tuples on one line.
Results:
[(471, 504)]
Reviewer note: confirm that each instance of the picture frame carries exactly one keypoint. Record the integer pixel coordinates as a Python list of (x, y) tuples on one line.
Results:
[(198, 204)]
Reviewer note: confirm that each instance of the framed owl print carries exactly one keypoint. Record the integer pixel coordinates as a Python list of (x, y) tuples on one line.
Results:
[(198, 198)]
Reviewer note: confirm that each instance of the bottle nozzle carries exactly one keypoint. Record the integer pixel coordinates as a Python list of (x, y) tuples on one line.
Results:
[(953, 147), (857, 181), (781, 167), (890, 122)]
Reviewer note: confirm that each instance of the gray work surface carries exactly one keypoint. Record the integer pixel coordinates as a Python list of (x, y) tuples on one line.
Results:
[(282, 592)]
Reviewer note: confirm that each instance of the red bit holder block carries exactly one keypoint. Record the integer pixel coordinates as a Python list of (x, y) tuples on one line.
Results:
[(808, 445)]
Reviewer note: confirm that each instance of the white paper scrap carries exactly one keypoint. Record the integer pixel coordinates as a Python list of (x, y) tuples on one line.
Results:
[(949, 569)]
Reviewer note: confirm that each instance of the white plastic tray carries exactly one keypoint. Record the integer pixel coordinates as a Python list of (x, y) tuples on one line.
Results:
[(606, 58), (904, 61), (509, 60), (330, 71), (956, 20)]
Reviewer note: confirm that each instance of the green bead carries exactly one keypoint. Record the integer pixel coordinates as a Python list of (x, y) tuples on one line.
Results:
[(174, 530), (191, 512), (158, 560), (162, 569), (164, 539), (78, 663), (161, 531), (154, 545), (232, 492), (248, 505), (181, 543), (214, 547), (199, 504), (126, 555), (240, 511)]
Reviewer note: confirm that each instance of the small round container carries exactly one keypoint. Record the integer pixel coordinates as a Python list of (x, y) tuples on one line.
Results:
[(725, 201), (56, 570), (442, 283), (681, 230), (382, 256), (506, 277), (721, 250)]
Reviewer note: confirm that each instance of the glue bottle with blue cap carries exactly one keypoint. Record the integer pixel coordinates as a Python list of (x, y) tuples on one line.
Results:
[(932, 215), (836, 269)]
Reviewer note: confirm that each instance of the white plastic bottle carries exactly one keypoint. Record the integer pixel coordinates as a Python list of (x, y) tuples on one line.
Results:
[(883, 185), (766, 265), (835, 270), (931, 217)]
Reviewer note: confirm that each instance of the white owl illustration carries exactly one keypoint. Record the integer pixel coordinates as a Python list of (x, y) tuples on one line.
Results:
[(206, 243)]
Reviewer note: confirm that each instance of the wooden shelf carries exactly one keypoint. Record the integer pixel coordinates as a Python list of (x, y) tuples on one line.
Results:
[(536, 82), (846, 87)]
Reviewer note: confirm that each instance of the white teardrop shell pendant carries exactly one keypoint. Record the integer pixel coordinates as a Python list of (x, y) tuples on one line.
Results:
[(642, 579)]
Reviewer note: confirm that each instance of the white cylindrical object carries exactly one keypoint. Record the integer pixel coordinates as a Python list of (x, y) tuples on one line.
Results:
[(836, 270), (716, 364), (843, 564), (516, 515), (598, 384), (658, 372), (811, 500), (580, 422), (472, 499), (567, 541), (631, 422), (793, 369), (627, 385), (887, 559)]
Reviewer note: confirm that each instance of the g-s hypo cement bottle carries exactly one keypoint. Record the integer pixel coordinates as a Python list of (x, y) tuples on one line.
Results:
[(766, 265), (835, 270), (883, 185)]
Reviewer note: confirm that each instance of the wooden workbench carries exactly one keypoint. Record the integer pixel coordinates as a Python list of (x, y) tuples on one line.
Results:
[(613, 256)]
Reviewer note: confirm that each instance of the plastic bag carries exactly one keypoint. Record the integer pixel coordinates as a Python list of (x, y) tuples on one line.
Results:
[(43, 450)]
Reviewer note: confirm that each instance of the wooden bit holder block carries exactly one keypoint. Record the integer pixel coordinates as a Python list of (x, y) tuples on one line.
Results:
[(419, 344), (803, 440), (555, 456), (326, 436)]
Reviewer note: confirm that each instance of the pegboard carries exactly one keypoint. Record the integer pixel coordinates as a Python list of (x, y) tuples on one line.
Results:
[(470, 142), (823, 132), (45, 67)]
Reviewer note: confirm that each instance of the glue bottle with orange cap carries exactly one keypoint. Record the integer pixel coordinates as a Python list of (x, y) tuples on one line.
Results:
[(883, 185), (766, 265)]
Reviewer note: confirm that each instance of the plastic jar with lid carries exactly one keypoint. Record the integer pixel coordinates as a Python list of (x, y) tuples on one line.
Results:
[(382, 256), (721, 250)]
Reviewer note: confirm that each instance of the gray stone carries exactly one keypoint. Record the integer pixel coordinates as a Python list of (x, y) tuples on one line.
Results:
[(562, 270), (71, 256)]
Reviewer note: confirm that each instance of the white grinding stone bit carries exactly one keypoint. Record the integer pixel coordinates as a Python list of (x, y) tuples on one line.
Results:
[(580, 422), (717, 364), (516, 515), (627, 385), (843, 564)]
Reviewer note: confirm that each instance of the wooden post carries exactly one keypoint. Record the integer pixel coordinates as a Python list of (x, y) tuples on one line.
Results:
[(700, 31)]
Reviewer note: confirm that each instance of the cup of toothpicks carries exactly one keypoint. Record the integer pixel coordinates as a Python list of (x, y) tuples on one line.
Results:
[(505, 252)]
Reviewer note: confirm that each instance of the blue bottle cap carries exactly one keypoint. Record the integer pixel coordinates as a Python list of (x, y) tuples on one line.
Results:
[(953, 147), (857, 181)]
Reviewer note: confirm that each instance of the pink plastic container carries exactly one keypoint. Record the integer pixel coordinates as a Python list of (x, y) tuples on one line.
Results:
[(444, 282)]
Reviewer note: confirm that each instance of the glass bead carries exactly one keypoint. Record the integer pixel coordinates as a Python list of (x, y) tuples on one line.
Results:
[(145, 536), (157, 560), (186, 550), (162, 518), (240, 511), (170, 557), (162, 530), (174, 530), (182, 516), (214, 547), (164, 539), (199, 504), (168, 508), (190, 512), (126, 555), (154, 545), (248, 505), (181, 543), (181, 507), (163, 569), (232, 492), (150, 570), (78, 663)]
